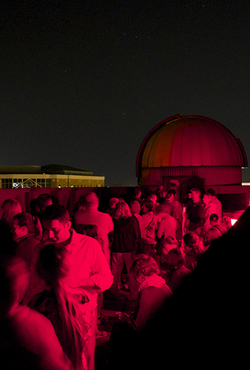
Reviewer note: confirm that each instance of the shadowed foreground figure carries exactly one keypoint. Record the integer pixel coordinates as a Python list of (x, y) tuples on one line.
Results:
[(205, 323)]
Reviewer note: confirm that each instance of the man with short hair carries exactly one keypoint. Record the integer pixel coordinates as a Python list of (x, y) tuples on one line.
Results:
[(88, 268), (215, 200), (90, 214), (195, 211)]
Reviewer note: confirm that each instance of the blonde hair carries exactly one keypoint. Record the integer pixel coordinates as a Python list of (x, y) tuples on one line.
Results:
[(10, 208), (122, 210), (53, 269)]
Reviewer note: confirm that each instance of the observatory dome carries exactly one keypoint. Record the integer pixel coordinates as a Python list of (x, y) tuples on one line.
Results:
[(191, 145)]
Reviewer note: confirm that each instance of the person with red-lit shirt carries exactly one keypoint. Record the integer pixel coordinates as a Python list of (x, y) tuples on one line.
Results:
[(87, 214), (89, 271)]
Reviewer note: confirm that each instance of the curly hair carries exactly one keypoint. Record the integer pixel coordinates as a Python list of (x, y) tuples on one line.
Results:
[(144, 265)]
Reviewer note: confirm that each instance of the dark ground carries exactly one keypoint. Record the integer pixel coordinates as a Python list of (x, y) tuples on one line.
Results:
[(110, 307)]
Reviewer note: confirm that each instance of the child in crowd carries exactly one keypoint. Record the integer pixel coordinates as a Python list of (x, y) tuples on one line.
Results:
[(28, 232)]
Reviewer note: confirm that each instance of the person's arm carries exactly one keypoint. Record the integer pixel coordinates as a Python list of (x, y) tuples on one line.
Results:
[(101, 277), (143, 314)]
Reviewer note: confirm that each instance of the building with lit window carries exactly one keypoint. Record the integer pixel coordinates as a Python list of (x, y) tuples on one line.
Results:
[(49, 176)]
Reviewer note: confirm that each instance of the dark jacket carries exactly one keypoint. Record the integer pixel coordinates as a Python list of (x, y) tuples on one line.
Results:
[(126, 235), (26, 247)]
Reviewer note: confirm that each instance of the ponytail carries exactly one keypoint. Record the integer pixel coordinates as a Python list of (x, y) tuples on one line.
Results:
[(32, 223)]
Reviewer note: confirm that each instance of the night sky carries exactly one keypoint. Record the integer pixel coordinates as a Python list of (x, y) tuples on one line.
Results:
[(83, 82)]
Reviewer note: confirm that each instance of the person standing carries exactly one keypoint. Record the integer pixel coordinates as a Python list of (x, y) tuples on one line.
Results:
[(195, 212), (88, 269), (126, 239), (88, 214)]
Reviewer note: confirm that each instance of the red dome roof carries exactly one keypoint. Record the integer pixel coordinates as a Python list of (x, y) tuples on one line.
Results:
[(190, 141)]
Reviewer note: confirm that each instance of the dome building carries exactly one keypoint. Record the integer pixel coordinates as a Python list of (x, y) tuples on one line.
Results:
[(190, 147)]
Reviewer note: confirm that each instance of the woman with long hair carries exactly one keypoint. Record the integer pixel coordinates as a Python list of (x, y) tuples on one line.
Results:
[(126, 238), (60, 304), (27, 338)]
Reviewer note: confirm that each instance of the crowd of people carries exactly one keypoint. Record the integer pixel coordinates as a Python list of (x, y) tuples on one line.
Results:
[(55, 267)]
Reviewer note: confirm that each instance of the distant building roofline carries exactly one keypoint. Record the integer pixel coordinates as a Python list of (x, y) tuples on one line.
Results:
[(47, 169)]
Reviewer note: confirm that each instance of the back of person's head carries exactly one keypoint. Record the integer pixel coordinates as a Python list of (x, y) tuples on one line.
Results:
[(137, 192), (175, 258), (214, 219), (34, 207), (163, 247), (191, 239), (14, 281), (211, 192), (56, 212), (91, 200), (43, 201), (211, 234), (113, 202), (51, 264), (10, 208), (144, 265), (135, 207), (32, 223), (91, 230), (122, 210)]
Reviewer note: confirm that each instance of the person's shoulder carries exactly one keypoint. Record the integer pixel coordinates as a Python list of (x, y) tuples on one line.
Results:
[(31, 320), (84, 241), (30, 240), (106, 216)]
